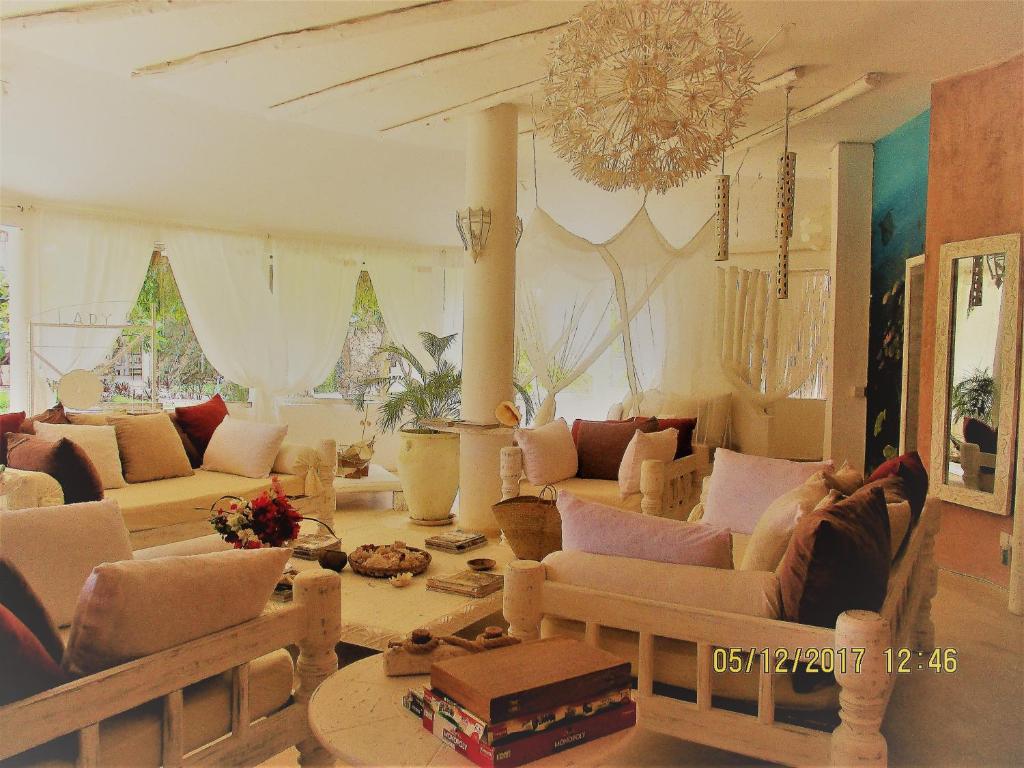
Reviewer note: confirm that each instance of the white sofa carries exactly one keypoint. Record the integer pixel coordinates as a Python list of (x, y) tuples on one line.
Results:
[(175, 509)]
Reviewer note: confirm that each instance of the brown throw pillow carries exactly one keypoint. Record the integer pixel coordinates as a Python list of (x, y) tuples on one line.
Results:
[(64, 461), (601, 446), (150, 448), (21, 600), (54, 415), (9, 422), (195, 458), (837, 560)]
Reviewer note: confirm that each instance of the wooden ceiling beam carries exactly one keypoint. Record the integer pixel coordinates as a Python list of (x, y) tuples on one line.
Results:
[(463, 56), (474, 105), (320, 34), (97, 11)]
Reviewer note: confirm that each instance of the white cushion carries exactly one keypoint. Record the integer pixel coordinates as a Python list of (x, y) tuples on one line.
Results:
[(899, 524), (549, 454), (742, 487), (99, 444), (246, 448), (773, 531), (660, 446), (56, 548), (131, 609)]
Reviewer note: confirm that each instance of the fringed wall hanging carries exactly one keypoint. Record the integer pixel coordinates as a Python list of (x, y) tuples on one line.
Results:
[(785, 198), (722, 215)]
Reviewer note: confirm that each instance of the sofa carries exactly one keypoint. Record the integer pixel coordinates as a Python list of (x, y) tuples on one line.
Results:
[(233, 697), (175, 509)]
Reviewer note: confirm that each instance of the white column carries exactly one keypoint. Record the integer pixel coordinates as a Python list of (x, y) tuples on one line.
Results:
[(488, 332), (19, 277), (850, 266)]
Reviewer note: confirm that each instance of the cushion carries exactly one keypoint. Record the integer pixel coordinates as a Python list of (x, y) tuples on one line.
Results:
[(88, 419), (85, 535), (685, 428), (603, 530), (742, 487), (899, 508), (25, 667), (837, 560), (771, 535), (21, 600), (9, 422), (981, 434), (64, 461), (195, 458), (577, 425), (602, 491), (246, 448), (846, 479), (150, 448), (908, 466), (99, 444), (601, 445), (660, 446), (54, 415), (200, 421), (123, 609), (549, 454)]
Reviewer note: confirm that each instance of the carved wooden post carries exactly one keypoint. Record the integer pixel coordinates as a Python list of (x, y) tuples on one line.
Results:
[(652, 487), (522, 603), (318, 592), (923, 634), (861, 640), (511, 471)]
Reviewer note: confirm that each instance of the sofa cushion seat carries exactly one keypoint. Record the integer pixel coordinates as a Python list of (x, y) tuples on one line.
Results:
[(187, 499), (601, 491)]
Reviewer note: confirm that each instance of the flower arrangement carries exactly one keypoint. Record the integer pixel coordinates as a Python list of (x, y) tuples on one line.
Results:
[(267, 520)]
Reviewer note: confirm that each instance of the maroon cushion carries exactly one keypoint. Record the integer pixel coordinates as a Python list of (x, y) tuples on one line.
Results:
[(66, 462), (915, 479), (25, 667), (9, 422), (577, 425), (200, 421), (686, 427), (20, 599), (600, 446), (54, 415), (981, 434), (837, 560)]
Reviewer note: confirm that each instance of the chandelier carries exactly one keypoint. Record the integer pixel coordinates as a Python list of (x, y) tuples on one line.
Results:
[(647, 94)]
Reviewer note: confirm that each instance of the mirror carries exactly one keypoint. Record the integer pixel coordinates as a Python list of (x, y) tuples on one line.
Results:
[(976, 358)]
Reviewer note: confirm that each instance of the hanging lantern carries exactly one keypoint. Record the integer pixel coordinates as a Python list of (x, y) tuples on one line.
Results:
[(722, 217), (474, 225), (785, 194)]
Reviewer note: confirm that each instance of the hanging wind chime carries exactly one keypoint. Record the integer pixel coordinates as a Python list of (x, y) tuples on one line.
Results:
[(785, 190), (722, 214)]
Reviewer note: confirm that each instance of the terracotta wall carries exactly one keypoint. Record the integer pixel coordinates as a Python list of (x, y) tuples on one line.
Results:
[(975, 189)]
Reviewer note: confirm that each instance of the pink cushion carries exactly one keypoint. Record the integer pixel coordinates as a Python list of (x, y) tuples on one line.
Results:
[(741, 486), (549, 454), (602, 530), (645, 445), (133, 608)]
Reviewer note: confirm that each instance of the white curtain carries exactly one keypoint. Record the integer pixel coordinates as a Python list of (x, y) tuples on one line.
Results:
[(83, 270), (274, 342)]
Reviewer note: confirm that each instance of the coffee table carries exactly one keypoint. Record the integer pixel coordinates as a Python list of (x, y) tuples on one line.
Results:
[(373, 612), (357, 715), (377, 480)]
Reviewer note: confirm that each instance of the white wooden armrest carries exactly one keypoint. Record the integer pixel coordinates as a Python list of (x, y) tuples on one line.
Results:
[(312, 622), (667, 487)]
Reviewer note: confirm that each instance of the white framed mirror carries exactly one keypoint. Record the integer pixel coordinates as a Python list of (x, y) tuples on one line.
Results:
[(977, 352)]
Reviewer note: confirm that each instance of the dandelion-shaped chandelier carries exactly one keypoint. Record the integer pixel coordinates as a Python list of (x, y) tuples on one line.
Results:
[(647, 94)]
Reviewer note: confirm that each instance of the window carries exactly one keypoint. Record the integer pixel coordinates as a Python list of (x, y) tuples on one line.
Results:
[(359, 358), (183, 373)]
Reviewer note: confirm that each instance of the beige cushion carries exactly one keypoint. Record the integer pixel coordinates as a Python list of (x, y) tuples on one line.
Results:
[(601, 491), (774, 529), (90, 419), (188, 499), (899, 524), (99, 444), (150, 448), (660, 446), (846, 479), (56, 549), (246, 448), (133, 608), (549, 454)]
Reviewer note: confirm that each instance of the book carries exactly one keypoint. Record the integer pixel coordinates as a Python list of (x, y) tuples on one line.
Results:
[(494, 733), (468, 583), (308, 546), (533, 746), (414, 702), (523, 679), (456, 541)]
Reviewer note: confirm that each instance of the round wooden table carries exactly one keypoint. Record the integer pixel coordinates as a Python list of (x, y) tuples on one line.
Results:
[(357, 714)]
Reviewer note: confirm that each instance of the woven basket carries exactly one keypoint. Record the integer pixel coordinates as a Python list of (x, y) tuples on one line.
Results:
[(531, 524)]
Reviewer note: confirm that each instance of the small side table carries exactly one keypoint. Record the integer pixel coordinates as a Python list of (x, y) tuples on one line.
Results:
[(377, 480), (357, 715)]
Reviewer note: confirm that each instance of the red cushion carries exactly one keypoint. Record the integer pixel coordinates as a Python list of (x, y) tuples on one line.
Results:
[(915, 478), (62, 460), (9, 422), (601, 445), (577, 425), (20, 599), (201, 421), (25, 667), (686, 427)]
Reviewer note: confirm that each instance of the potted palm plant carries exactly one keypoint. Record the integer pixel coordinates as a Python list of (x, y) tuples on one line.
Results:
[(428, 460)]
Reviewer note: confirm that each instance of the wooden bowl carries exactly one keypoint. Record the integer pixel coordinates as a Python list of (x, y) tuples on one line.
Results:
[(481, 563)]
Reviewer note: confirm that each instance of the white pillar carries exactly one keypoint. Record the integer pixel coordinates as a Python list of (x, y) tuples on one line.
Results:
[(850, 267), (19, 277), (488, 331)]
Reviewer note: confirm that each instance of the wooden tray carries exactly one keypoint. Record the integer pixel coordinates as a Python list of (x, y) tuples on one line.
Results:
[(359, 555)]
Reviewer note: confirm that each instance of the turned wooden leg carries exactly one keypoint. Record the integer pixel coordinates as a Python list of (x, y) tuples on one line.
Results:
[(858, 740), (318, 591), (522, 600), (511, 471), (923, 635), (652, 487)]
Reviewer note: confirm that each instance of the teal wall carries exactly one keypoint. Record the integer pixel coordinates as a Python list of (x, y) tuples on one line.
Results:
[(898, 201)]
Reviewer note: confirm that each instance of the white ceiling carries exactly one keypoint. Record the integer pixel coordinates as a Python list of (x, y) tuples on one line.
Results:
[(204, 143)]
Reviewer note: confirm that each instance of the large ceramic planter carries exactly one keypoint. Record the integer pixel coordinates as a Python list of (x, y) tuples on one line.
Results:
[(428, 465)]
